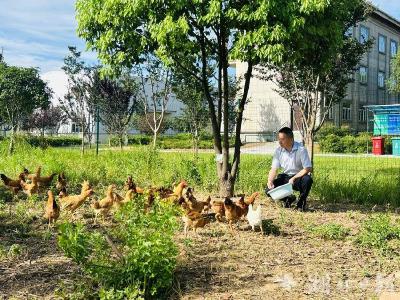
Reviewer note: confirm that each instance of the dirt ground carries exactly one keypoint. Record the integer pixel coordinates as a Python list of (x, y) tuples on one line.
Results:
[(287, 262)]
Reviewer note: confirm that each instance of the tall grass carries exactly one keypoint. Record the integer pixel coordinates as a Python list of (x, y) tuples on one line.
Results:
[(370, 180)]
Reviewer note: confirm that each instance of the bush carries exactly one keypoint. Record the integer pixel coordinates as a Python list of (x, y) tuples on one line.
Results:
[(331, 129), (349, 144), (363, 141), (177, 141), (331, 143), (330, 231), (139, 259), (46, 141), (138, 139), (377, 231), (341, 140)]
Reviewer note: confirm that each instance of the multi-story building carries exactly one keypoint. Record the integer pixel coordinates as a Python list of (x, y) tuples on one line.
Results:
[(369, 86), (267, 111)]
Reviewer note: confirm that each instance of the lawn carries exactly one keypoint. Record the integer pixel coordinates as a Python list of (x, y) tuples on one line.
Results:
[(345, 244)]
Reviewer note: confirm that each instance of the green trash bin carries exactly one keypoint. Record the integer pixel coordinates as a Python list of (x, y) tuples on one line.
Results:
[(396, 146)]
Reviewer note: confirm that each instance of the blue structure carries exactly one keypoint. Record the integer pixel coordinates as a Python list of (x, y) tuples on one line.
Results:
[(386, 122), (386, 119)]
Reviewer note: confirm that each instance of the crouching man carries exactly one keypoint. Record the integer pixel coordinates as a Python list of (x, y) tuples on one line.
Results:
[(293, 158)]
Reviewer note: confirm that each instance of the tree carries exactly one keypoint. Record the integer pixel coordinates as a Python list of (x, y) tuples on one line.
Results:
[(318, 78), (155, 92), (50, 118), (21, 92), (194, 117), (117, 101), (77, 103), (198, 38), (393, 82)]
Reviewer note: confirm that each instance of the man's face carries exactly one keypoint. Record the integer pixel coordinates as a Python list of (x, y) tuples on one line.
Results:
[(284, 140)]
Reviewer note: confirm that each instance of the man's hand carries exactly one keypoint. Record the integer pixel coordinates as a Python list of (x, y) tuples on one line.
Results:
[(270, 184), (291, 180)]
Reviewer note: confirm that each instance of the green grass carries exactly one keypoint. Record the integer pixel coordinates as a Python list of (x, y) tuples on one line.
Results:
[(329, 231), (363, 180), (378, 232)]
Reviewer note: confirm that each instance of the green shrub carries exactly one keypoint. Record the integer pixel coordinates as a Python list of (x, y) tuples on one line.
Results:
[(388, 145), (137, 139), (331, 143), (377, 231), (329, 231), (176, 141), (363, 140), (138, 254), (349, 144), (46, 141), (331, 129)]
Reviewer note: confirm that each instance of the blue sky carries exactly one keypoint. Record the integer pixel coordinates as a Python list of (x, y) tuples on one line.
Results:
[(37, 33)]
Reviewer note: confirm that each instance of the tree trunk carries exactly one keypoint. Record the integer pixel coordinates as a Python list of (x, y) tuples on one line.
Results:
[(83, 139), (226, 185), (309, 143), (195, 141), (120, 141), (154, 139), (12, 141)]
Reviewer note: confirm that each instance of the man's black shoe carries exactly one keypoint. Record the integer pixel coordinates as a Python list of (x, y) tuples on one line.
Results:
[(289, 200), (301, 207)]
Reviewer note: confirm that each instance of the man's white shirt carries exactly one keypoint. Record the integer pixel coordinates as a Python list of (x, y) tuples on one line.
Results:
[(292, 162)]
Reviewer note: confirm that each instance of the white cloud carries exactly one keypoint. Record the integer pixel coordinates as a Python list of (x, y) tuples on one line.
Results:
[(37, 33)]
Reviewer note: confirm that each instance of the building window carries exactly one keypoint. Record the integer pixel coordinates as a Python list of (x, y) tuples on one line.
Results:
[(364, 34), (363, 75), (75, 128), (393, 48), (362, 115), (381, 79), (382, 44), (346, 112)]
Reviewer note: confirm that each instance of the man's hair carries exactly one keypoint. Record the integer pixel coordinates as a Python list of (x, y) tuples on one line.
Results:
[(287, 131)]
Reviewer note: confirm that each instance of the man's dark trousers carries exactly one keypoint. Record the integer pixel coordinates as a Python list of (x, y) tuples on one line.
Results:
[(303, 185)]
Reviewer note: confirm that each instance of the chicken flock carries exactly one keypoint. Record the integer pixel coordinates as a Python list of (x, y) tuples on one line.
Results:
[(196, 213)]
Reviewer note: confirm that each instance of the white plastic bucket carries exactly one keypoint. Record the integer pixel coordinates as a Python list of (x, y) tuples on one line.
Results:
[(281, 192)]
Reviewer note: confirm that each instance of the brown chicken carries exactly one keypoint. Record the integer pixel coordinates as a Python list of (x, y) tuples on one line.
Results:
[(178, 192), (130, 194), (73, 202), (192, 218), (219, 209), (46, 180), (163, 192), (131, 185), (52, 211), (30, 188), (197, 205), (233, 212), (61, 182), (36, 174), (104, 205), (251, 198), (119, 200), (63, 193), (13, 185)]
